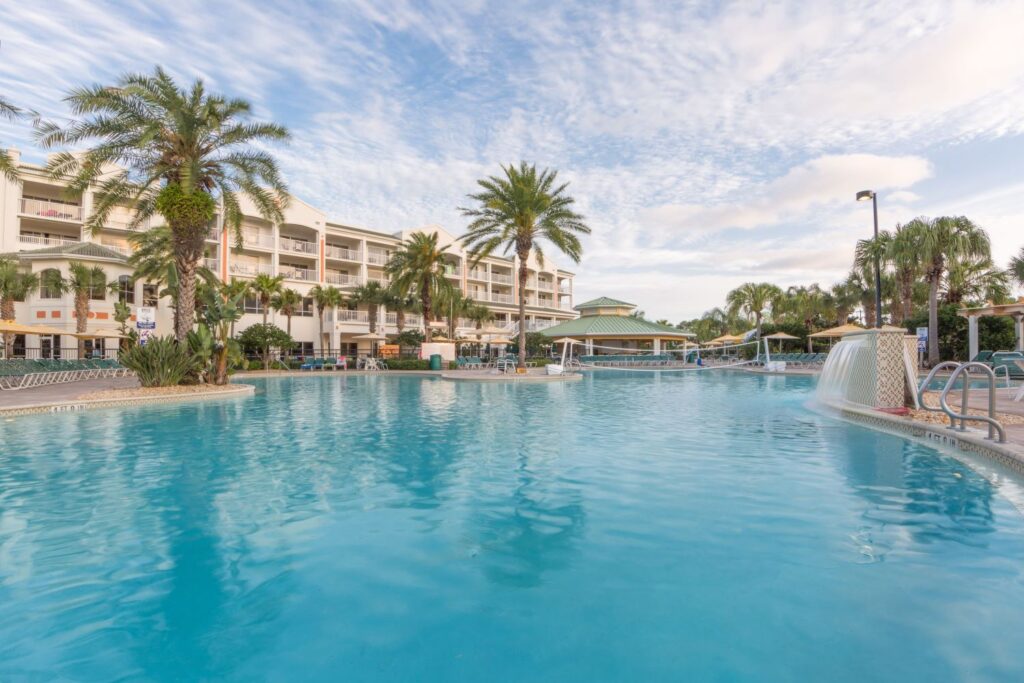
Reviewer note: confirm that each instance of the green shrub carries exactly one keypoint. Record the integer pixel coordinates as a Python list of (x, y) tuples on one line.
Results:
[(162, 362), (408, 364), (255, 365)]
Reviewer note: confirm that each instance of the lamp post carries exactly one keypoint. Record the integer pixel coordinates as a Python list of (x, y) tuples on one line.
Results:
[(863, 196)]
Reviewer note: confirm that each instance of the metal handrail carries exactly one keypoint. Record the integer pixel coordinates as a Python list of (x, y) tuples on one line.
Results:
[(928, 380), (993, 424)]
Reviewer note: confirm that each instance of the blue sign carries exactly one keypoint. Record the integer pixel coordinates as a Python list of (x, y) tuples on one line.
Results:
[(922, 338)]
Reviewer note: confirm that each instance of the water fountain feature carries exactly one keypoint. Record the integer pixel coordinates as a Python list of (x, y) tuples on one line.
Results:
[(870, 368)]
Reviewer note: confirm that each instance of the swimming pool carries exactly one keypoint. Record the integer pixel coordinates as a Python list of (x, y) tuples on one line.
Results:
[(627, 527)]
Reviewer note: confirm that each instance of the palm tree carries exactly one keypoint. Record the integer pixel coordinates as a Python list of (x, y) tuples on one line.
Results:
[(479, 314), (975, 278), (7, 166), (287, 302), (324, 298), (15, 285), (373, 295), (1016, 268), (903, 254), (152, 261), (181, 152), (236, 290), (82, 282), (846, 295), (867, 254), (941, 240), (265, 287), (400, 304), (417, 270), (514, 213), (753, 298)]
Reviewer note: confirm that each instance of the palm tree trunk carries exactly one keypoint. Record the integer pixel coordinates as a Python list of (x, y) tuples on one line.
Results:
[(188, 248), (7, 313), (521, 364), (288, 316), (372, 314), (425, 303), (320, 312), (266, 309), (81, 319), (933, 319), (220, 377), (400, 319)]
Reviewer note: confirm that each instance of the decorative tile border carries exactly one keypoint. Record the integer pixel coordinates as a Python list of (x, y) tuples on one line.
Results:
[(234, 391)]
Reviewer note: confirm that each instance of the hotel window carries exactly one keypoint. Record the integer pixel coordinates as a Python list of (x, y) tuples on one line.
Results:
[(125, 290), (48, 281), (150, 295), (306, 310), (251, 305), (98, 294)]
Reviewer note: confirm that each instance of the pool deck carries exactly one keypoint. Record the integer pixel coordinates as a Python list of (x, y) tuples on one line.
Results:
[(532, 375)]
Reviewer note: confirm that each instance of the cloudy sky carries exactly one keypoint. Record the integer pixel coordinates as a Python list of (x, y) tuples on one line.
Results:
[(707, 143)]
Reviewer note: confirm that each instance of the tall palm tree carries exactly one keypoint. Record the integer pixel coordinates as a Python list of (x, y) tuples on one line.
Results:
[(287, 302), (373, 295), (1016, 268), (513, 213), (83, 281), (15, 285), (903, 254), (479, 314), (867, 254), (265, 287), (401, 304), (941, 240), (324, 298), (846, 295), (152, 261), (752, 299), (417, 269), (236, 290), (975, 278), (181, 151), (7, 166), (453, 305)]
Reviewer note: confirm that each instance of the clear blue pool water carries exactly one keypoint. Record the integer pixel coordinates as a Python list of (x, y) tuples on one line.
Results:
[(630, 527)]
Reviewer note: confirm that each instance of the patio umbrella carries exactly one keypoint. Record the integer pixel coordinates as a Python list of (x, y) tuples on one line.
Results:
[(11, 327), (371, 337), (727, 339), (781, 336), (500, 341), (834, 332), (99, 334)]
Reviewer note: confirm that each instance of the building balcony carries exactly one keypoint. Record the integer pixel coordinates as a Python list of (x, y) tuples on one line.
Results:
[(345, 316), (342, 279), (122, 249), (342, 253), (545, 286), (502, 298), (453, 271), (38, 241), (301, 274), (377, 257), (48, 208), (502, 279), (211, 264), (251, 269), (213, 235), (477, 274), (257, 239), (293, 246)]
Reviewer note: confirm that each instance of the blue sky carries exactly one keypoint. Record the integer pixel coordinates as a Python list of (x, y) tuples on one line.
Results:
[(707, 143)]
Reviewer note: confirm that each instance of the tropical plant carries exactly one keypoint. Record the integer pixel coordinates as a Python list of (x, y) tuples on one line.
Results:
[(265, 287), (373, 295), (513, 213), (453, 304), (1016, 268), (867, 254), (262, 337), (845, 296), (903, 254), (417, 270), (160, 362), (221, 309), (180, 152), (152, 261), (236, 290), (479, 314), (202, 345), (324, 298), (940, 241), (288, 302), (7, 166), (753, 299), (15, 285), (975, 278), (401, 304), (83, 282)]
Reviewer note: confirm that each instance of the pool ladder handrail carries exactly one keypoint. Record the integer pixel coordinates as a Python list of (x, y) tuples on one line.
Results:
[(994, 425)]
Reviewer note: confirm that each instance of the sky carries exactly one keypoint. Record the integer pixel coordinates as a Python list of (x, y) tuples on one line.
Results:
[(707, 143)]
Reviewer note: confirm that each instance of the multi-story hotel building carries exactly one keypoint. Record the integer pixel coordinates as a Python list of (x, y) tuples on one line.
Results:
[(42, 227)]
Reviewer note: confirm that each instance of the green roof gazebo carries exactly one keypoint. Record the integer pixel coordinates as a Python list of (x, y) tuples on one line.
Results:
[(608, 323)]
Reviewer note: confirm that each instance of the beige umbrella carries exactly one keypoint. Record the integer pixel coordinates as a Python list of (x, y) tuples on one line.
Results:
[(440, 339), (99, 334), (500, 341), (490, 331), (727, 339), (567, 340), (11, 327), (839, 331), (781, 336)]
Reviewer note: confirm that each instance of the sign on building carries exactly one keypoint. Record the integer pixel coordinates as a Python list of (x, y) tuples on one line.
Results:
[(145, 323)]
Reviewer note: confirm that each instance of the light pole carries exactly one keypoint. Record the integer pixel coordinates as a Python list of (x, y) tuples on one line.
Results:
[(863, 196)]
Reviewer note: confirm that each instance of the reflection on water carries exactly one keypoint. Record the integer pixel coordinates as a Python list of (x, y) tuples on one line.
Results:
[(400, 528)]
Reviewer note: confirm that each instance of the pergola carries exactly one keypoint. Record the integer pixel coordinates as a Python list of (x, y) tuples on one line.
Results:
[(1015, 311)]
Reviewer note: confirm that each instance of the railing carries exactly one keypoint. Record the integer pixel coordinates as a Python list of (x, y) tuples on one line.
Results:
[(384, 282), (475, 274), (213, 234), (257, 238), (994, 426), (47, 241), (453, 271), (531, 284), (304, 274), (565, 307), (546, 286), (502, 298), (378, 257), (341, 279), (565, 289), (343, 253), (212, 264), (122, 249), (297, 246), (353, 316), (504, 279), (251, 268), (51, 209)]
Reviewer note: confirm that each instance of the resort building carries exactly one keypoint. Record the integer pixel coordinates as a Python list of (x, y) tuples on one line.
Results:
[(607, 326), (42, 227)]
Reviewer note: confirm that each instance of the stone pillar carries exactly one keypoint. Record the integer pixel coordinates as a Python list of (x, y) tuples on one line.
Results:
[(1018, 324), (890, 370), (657, 345), (972, 336)]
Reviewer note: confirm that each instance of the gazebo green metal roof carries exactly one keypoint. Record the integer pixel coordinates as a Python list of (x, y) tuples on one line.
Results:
[(603, 302), (613, 326), (84, 250)]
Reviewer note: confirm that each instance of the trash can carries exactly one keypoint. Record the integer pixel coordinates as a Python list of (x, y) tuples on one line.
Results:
[(435, 361)]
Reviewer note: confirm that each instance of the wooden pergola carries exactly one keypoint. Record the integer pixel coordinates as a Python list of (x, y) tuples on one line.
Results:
[(1014, 310)]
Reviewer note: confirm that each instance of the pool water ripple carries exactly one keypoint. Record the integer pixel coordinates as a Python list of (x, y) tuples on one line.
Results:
[(628, 527)]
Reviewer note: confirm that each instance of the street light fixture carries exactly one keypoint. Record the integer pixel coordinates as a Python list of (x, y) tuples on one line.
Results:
[(863, 196)]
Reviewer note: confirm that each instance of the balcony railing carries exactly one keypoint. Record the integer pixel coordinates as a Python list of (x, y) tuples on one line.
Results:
[(41, 241), (46, 208), (257, 238), (297, 246), (342, 253), (345, 316), (565, 288), (384, 282), (251, 268), (212, 264), (213, 234), (476, 274), (377, 257), (341, 279), (504, 279), (502, 298), (453, 271), (304, 274), (545, 286), (565, 306), (122, 249)]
